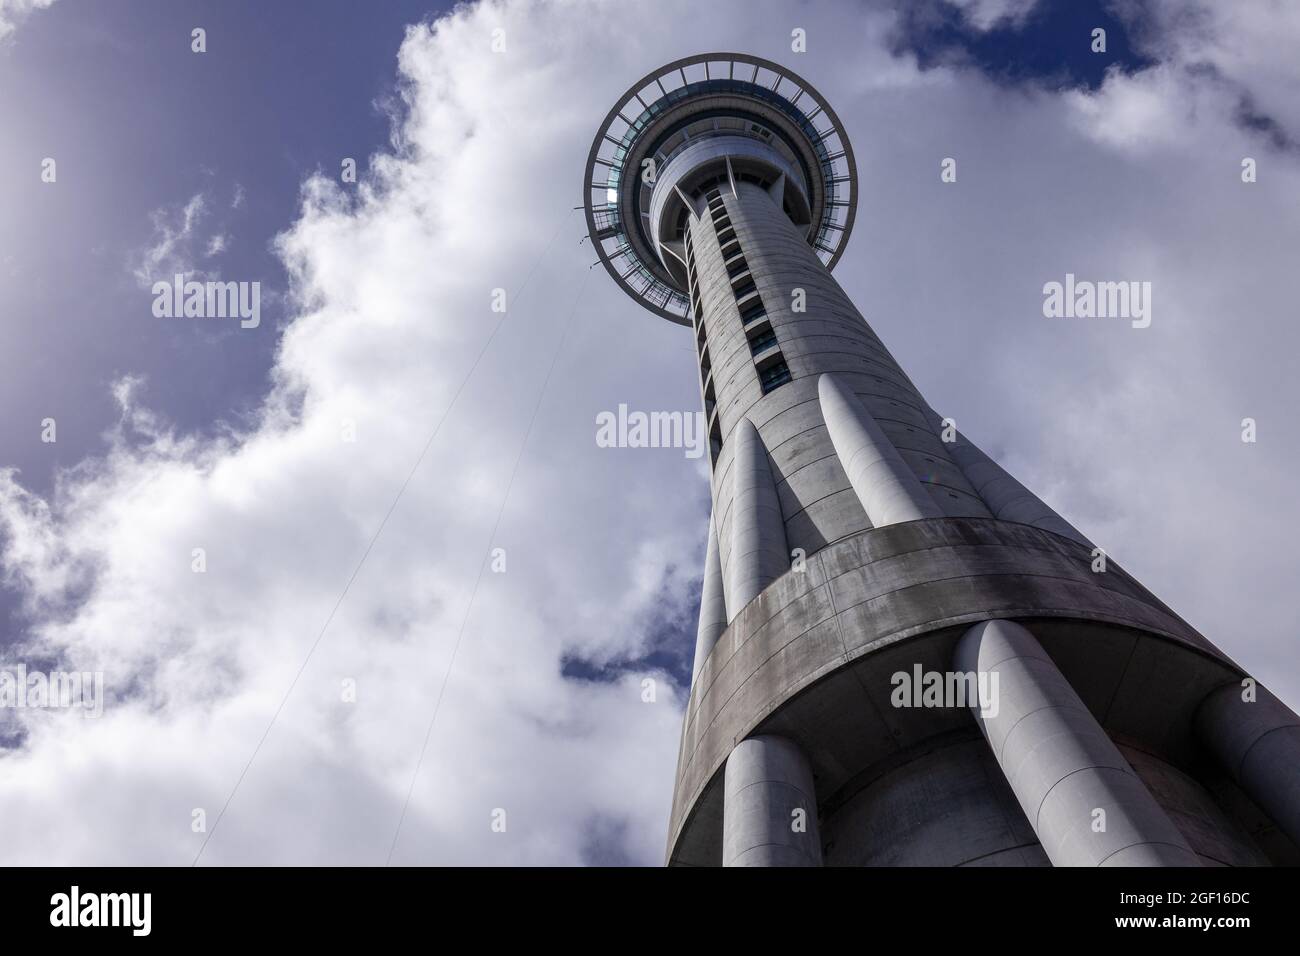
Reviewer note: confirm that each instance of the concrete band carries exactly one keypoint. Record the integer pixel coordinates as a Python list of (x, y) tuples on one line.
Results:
[(881, 600)]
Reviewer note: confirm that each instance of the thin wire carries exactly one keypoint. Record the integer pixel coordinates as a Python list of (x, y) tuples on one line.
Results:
[(496, 524), (370, 546)]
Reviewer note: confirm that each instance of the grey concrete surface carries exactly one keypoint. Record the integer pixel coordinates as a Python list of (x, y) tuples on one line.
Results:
[(811, 657), (944, 806), (885, 484), (758, 549), (1258, 742), (1209, 829), (1005, 497), (1085, 803), (713, 604), (770, 806)]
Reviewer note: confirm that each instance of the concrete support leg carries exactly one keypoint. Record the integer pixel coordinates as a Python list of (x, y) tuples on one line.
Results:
[(1082, 798), (1258, 742), (769, 811), (1007, 498), (713, 604), (758, 552), (887, 487)]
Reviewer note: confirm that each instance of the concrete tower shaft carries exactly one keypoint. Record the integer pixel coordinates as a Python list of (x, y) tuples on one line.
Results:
[(859, 542)]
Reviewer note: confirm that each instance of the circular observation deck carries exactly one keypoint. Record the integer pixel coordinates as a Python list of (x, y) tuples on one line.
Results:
[(694, 123)]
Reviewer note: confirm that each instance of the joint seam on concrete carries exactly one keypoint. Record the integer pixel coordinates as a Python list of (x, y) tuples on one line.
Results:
[(1005, 849), (1002, 751), (1241, 767), (1038, 813), (1145, 843)]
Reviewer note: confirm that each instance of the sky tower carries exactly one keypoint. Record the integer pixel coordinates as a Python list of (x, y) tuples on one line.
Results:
[(869, 570)]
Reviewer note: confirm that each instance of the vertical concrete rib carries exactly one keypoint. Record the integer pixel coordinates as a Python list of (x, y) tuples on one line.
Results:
[(713, 603), (1007, 498), (769, 809), (758, 553), (1061, 765), (885, 484), (1258, 743)]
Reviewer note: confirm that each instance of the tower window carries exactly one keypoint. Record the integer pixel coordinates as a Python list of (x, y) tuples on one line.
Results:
[(774, 376), (762, 341)]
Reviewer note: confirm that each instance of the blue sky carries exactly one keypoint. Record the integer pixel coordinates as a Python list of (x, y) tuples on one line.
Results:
[(1047, 46), (376, 306), (139, 123)]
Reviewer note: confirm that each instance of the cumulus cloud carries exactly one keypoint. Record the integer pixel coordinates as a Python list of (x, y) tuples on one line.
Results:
[(394, 287), (1248, 49), (1132, 433)]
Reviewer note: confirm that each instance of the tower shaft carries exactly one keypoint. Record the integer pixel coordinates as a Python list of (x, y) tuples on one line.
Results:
[(869, 568)]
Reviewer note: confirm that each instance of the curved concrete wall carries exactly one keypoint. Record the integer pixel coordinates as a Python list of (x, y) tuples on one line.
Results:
[(948, 806), (1258, 742), (1208, 828), (850, 618), (700, 152)]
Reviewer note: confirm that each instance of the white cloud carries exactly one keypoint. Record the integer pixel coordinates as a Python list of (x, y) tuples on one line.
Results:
[(1220, 65), (1137, 113), (393, 279), (13, 12), (1251, 47), (985, 14), (173, 247)]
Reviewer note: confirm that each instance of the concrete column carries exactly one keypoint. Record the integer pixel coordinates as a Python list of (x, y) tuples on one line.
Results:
[(769, 810), (1061, 765), (713, 604), (884, 483), (1258, 743), (758, 552)]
